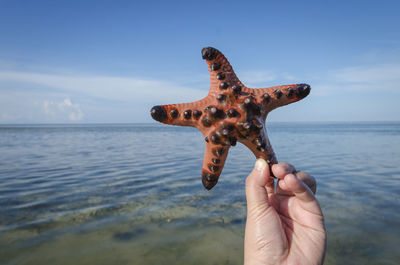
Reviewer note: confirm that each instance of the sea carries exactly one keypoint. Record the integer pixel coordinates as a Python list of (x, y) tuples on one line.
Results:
[(132, 193)]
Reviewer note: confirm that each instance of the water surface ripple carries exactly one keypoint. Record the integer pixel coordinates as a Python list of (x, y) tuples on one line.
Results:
[(132, 194)]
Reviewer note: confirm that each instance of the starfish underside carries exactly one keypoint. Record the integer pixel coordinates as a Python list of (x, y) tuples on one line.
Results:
[(230, 112)]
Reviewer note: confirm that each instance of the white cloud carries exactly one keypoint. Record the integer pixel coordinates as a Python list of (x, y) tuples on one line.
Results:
[(5, 117), (41, 97), (257, 78), (61, 110), (64, 98), (381, 73), (384, 77), (108, 87)]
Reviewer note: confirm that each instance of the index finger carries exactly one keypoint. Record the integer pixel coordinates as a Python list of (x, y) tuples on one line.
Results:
[(282, 169), (295, 185)]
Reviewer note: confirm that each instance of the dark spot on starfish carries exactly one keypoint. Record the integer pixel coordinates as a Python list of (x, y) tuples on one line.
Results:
[(187, 114), (278, 93), (206, 121), (223, 85), (158, 113), (232, 113), (303, 90), (220, 76), (206, 139), (213, 168), (247, 101), (244, 129), (173, 113), (215, 160), (257, 124), (209, 180), (271, 159), (197, 114), (226, 142), (215, 66), (258, 141), (225, 131), (256, 109), (209, 177), (266, 98), (242, 136), (247, 125), (213, 110), (289, 92), (236, 89), (261, 147), (221, 98), (255, 129), (216, 113), (209, 53), (230, 126), (218, 151), (252, 108), (215, 138), (227, 128), (208, 184)]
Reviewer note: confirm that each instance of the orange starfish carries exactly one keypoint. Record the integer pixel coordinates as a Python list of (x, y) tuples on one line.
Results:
[(230, 112)]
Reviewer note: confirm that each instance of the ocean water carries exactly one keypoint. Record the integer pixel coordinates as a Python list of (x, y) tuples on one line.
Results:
[(132, 194)]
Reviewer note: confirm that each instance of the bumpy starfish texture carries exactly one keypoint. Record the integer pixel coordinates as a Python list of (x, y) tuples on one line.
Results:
[(230, 112)]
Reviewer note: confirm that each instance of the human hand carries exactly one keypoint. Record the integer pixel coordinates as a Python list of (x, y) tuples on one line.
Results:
[(285, 225)]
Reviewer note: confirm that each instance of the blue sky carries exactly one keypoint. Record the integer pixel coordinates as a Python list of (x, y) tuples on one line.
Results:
[(111, 61)]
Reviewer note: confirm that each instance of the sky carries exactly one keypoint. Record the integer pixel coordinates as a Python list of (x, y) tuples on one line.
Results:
[(111, 61)]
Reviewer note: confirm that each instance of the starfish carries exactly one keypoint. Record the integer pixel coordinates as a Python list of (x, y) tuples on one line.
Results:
[(230, 112)]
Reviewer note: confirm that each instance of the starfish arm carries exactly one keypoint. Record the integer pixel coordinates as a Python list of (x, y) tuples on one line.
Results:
[(213, 163), (184, 114), (260, 146), (222, 76), (274, 97)]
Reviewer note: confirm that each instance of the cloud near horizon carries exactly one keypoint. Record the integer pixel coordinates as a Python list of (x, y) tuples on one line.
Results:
[(49, 97), (107, 87), (65, 98), (360, 79), (65, 107)]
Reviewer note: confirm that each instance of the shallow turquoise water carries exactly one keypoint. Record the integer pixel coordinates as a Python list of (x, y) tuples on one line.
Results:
[(132, 194)]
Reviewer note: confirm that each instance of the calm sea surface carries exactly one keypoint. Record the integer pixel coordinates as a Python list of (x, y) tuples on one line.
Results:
[(132, 194)]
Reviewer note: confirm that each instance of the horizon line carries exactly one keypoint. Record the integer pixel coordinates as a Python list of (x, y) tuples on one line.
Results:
[(161, 124)]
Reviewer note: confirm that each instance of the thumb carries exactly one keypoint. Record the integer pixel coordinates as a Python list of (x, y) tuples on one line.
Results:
[(256, 186)]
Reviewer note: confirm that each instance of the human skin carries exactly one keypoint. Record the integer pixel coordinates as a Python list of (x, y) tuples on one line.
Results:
[(285, 225)]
